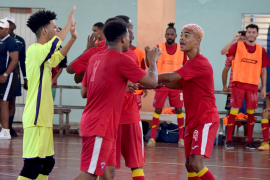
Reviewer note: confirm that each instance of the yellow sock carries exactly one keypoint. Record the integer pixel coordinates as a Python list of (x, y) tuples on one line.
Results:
[(137, 173), (42, 177), (23, 178)]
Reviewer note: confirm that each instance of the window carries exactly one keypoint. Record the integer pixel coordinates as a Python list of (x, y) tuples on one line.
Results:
[(261, 20)]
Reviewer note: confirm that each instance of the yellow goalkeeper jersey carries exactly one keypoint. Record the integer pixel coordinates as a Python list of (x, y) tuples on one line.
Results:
[(40, 59)]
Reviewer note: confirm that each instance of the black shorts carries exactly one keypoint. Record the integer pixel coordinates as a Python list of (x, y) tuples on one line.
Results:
[(8, 88)]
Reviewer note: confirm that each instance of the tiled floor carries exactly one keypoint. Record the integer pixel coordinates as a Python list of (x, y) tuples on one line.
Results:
[(164, 162)]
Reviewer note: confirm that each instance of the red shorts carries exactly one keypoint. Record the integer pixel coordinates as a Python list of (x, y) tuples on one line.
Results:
[(238, 95), (200, 140), (96, 152), (175, 98), (130, 143), (139, 101)]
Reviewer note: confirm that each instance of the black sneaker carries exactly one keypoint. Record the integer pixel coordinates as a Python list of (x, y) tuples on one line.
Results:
[(229, 145), (250, 145), (13, 133)]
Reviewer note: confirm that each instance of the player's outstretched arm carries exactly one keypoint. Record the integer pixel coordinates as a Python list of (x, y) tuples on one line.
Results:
[(73, 38), (226, 48), (170, 80), (62, 34), (151, 78)]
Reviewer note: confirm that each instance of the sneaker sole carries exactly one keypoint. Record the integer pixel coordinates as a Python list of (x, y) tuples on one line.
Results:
[(251, 148), (229, 147), (263, 149)]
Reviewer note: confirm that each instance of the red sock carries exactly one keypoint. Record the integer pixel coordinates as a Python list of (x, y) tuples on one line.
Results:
[(230, 127), (154, 125), (138, 178), (138, 174), (250, 126), (192, 176), (180, 121), (265, 129), (205, 174)]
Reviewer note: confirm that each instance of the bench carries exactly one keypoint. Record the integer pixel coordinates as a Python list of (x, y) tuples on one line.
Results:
[(61, 112)]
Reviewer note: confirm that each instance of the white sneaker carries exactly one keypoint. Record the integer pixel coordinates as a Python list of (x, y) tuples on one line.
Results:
[(181, 143), (4, 134)]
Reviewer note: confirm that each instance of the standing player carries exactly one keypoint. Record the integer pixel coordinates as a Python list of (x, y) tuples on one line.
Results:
[(130, 136), (171, 59), (21, 49), (202, 120), (250, 62), (104, 85), (265, 126), (8, 80), (38, 147), (98, 30)]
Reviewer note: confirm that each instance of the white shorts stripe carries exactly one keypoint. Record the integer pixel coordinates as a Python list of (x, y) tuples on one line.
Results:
[(205, 137), (95, 155), (142, 140), (8, 87)]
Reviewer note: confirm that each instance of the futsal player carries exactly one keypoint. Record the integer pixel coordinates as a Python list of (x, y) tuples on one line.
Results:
[(171, 59), (196, 80), (38, 148), (104, 85), (250, 62)]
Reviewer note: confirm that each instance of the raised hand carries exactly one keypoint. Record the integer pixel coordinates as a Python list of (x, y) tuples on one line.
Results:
[(73, 31), (71, 20), (236, 36), (154, 54), (91, 40)]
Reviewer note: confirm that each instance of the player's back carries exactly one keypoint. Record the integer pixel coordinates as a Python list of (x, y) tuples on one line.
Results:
[(106, 79)]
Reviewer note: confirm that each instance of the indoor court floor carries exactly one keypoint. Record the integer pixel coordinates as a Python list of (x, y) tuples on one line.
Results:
[(164, 162)]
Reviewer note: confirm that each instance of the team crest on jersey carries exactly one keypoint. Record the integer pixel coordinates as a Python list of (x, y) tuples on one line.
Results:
[(195, 135), (232, 100), (103, 163), (155, 101)]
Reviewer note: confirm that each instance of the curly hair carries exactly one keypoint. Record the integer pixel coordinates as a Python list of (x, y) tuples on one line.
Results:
[(114, 19), (115, 29), (100, 25), (39, 20), (171, 26)]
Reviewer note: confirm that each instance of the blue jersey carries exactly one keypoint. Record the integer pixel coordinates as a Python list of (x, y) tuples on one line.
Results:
[(7, 45)]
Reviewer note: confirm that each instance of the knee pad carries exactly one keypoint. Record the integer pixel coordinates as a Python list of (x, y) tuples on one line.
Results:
[(48, 164), (31, 168)]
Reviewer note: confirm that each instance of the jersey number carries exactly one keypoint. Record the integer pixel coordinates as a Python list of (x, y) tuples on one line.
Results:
[(94, 70)]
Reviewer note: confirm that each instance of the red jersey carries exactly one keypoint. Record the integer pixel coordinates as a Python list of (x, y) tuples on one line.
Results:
[(130, 113), (102, 43), (250, 49), (80, 64), (106, 79), (198, 90)]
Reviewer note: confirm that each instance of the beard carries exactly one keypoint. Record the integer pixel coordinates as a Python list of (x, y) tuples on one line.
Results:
[(170, 41)]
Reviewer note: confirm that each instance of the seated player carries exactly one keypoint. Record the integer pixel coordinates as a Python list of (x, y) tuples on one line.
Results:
[(38, 150), (104, 85), (265, 126), (196, 80)]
